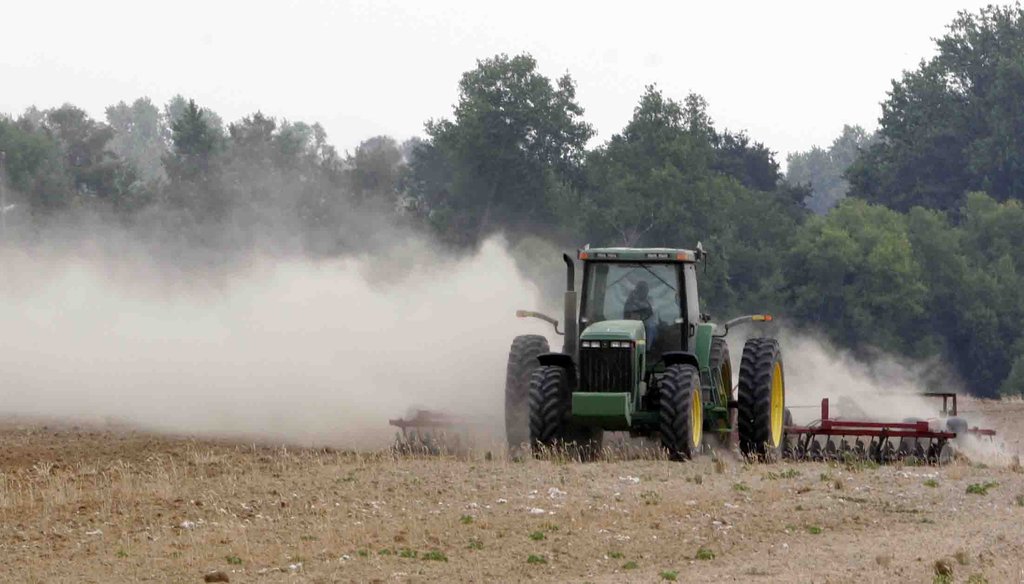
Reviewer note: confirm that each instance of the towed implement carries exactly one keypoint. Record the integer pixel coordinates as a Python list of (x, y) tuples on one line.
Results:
[(913, 439), (429, 432), (640, 356)]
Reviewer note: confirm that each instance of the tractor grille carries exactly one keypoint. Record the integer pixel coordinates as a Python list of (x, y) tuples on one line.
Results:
[(606, 369)]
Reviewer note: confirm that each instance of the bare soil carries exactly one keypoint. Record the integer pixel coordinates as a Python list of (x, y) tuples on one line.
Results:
[(82, 504)]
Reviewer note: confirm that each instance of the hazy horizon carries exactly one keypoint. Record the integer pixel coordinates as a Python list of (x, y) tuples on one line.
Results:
[(790, 75)]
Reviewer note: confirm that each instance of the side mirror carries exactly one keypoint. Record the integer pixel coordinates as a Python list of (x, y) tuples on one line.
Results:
[(702, 256)]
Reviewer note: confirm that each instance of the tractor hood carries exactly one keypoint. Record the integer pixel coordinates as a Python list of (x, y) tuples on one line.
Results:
[(614, 330)]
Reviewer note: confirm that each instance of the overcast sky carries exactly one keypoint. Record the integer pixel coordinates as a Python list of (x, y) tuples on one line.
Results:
[(790, 73)]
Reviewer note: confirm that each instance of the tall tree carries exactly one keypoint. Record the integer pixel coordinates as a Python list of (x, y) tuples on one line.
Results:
[(175, 108), (853, 274), (956, 123), (193, 166), (375, 171), (643, 178), (140, 136), (670, 178), (514, 137), (34, 167), (823, 169)]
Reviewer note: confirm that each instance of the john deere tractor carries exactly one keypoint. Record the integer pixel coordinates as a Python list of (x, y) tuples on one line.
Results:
[(640, 356)]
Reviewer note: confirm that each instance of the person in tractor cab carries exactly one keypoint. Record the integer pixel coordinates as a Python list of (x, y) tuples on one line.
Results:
[(638, 307)]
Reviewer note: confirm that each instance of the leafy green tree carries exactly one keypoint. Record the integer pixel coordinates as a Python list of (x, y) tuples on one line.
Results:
[(853, 274), (662, 181), (954, 124), (514, 137), (993, 292), (97, 173), (823, 169), (176, 107), (1013, 385), (194, 166), (34, 167), (641, 179), (945, 270), (140, 136), (196, 143), (751, 163), (375, 171)]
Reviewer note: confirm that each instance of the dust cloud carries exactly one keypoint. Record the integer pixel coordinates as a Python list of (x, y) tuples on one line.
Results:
[(882, 387), (293, 350)]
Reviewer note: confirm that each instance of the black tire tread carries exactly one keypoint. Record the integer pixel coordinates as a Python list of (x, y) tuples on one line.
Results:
[(549, 406), (522, 360), (754, 397), (720, 355), (677, 387)]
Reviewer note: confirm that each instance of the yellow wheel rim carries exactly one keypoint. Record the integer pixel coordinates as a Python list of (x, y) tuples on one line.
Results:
[(696, 418), (778, 405)]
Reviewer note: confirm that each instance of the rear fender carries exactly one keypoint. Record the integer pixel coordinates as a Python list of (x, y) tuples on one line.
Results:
[(556, 360), (560, 360), (703, 345), (680, 358)]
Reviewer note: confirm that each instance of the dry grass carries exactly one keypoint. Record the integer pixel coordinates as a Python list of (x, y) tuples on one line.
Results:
[(89, 506)]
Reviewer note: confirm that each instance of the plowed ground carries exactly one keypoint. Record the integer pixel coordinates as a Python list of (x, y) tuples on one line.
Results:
[(91, 504)]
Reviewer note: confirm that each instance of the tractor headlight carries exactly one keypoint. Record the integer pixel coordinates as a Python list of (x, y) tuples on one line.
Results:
[(621, 344)]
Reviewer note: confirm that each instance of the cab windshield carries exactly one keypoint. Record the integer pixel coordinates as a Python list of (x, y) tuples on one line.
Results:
[(647, 292)]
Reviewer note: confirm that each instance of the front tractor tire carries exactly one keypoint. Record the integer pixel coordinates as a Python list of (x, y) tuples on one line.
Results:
[(681, 412), (522, 360), (550, 401), (761, 400)]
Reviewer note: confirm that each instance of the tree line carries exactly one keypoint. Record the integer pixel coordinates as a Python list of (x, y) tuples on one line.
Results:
[(906, 240)]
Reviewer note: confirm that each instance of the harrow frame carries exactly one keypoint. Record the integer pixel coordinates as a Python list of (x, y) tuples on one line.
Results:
[(431, 432), (879, 434)]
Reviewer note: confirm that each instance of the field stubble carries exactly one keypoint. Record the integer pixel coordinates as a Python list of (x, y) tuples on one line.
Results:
[(101, 505)]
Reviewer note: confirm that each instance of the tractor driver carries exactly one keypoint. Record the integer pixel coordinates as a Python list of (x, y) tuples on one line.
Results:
[(638, 307)]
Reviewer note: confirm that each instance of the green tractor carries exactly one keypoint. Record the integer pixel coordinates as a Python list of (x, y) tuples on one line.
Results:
[(639, 356)]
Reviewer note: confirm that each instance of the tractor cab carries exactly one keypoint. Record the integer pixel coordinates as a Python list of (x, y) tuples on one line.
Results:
[(641, 295)]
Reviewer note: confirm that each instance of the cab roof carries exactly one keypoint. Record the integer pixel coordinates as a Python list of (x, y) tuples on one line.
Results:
[(650, 254)]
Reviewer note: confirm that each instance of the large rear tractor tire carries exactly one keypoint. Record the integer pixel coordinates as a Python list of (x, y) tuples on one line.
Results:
[(719, 361), (550, 401), (681, 412), (522, 360), (761, 400)]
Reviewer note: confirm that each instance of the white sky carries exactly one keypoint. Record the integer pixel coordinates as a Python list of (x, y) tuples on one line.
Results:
[(791, 73)]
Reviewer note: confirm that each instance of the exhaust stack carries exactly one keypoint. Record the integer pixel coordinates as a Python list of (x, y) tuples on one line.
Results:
[(570, 322)]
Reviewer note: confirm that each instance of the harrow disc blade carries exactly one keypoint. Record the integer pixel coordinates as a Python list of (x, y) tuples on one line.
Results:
[(789, 447), (845, 447), (831, 452), (814, 451), (859, 449)]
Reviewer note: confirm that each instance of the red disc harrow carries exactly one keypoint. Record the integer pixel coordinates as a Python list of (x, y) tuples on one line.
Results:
[(831, 438)]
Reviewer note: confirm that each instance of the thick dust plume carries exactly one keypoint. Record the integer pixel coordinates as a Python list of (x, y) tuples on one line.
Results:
[(292, 350), (882, 387)]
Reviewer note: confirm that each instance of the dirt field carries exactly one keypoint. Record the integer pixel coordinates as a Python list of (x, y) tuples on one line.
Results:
[(88, 505)]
